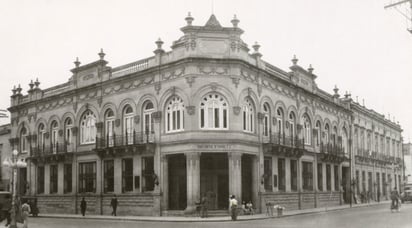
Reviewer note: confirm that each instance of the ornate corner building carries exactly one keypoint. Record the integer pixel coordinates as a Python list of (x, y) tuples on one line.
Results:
[(206, 118)]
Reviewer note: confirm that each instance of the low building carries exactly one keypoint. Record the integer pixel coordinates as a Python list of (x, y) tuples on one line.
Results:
[(5, 153), (207, 118)]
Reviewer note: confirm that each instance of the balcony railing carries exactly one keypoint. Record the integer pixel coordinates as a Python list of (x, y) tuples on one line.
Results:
[(330, 148), (287, 141), (56, 148), (134, 138)]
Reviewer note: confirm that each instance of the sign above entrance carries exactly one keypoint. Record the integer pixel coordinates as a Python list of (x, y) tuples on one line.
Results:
[(214, 146)]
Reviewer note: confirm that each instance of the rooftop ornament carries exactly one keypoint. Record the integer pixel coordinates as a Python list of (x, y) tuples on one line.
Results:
[(159, 43), (235, 21), (189, 19), (295, 60), (77, 62), (310, 69), (101, 54), (37, 83)]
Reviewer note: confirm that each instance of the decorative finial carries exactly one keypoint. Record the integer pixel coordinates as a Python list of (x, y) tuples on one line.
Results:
[(294, 60), (77, 63), (37, 83), (310, 69), (31, 84), (335, 89), (256, 47), (101, 54), (19, 89), (159, 43), (189, 19), (346, 95), (14, 90), (235, 21)]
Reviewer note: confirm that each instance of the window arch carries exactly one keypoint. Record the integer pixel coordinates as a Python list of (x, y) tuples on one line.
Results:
[(345, 145), (68, 133), (292, 125), (109, 119), (266, 119), (24, 146), (327, 134), (148, 110), (318, 130), (279, 120), (41, 142), (54, 135), (248, 116), (88, 128), (128, 127), (213, 112), (307, 130), (175, 114)]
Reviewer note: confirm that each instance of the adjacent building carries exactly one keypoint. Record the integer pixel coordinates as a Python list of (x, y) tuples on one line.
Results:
[(407, 157), (5, 153), (210, 117)]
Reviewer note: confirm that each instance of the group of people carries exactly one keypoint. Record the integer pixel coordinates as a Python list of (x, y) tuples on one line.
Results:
[(113, 204), (22, 212)]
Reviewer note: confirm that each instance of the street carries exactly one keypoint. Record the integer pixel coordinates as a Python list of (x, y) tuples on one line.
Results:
[(374, 216)]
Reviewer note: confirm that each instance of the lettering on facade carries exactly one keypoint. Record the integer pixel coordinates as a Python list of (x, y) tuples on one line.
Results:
[(213, 146)]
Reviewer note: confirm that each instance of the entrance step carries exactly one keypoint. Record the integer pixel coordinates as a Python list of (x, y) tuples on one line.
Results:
[(210, 213)]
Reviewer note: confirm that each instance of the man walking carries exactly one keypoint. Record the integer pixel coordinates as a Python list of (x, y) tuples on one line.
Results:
[(113, 203), (83, 206)]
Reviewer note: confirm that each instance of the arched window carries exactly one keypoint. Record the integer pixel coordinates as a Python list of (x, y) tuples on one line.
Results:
[(54, 135), (213, 112), (327, 134), (318, 130), (307, 130), (292, 125), (279, 120), (345, 145), (41, 137), (266, 119), (175, 115), (68, 134), (88, 128), (148, 111), (128, 127), (109, 127), (248, 115), (24, 146)]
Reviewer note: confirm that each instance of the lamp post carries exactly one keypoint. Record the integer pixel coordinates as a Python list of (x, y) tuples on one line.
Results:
[(14, 164)]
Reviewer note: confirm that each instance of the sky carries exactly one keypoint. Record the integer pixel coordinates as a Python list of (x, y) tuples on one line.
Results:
[(356, 45)]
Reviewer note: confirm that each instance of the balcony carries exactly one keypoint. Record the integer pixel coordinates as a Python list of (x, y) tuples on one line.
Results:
[(137, 142), (332, 153), (282, 145), (53, 152)]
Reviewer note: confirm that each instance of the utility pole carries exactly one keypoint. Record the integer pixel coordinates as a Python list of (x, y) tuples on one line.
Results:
[(408, 12)]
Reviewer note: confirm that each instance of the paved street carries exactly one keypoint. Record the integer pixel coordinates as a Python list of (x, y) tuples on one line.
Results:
[(375, 216)]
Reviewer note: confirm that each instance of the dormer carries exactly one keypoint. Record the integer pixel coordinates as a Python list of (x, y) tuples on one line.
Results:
[(302, 77), (90, 73), (211, 40)]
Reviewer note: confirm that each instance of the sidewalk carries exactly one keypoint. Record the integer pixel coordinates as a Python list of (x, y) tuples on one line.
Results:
[(209, 219)]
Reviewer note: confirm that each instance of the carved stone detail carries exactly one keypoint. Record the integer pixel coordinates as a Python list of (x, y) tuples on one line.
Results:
[(236, 110), (191, 110)]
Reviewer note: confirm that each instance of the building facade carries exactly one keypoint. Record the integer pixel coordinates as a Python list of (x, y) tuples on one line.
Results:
[(5, 152), (206, 118), (407, 158)]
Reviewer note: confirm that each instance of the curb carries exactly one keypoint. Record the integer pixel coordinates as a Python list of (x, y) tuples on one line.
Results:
[(212, 219)]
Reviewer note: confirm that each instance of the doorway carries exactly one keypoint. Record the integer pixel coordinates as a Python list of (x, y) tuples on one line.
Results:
[(177, 182), (214, 179)]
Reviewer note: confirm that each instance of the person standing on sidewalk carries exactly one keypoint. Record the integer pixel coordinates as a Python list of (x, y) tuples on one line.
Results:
[(114, 203), (233, 207), (25, 210), (83, 206)]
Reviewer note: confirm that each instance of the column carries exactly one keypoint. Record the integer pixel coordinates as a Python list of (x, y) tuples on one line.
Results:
[(288, 175), (46, 179), (117, 163), (324, 176), (275, 172), (33, 178), (60, 178), (193, 180), (340, 183), (255, 181), (235, 175), (332, 177)]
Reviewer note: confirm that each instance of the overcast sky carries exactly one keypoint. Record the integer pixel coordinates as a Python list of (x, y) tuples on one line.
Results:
[(356, 45)]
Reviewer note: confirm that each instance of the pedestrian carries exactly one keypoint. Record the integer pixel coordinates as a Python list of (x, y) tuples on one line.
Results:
[(203, 204), (114, 203), (6, 208), (25, 210), (233, 207), (83, 206)]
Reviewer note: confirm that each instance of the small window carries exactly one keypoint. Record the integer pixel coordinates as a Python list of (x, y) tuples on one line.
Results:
[(175, 115), (248, 116)]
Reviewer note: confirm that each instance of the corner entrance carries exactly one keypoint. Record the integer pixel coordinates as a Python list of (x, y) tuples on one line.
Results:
[(177, 182), (214, 179)]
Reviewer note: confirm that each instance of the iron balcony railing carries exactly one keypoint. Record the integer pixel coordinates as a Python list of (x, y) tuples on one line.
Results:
[(288, 141), (330, 148), (54, 148), (134, 138)]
